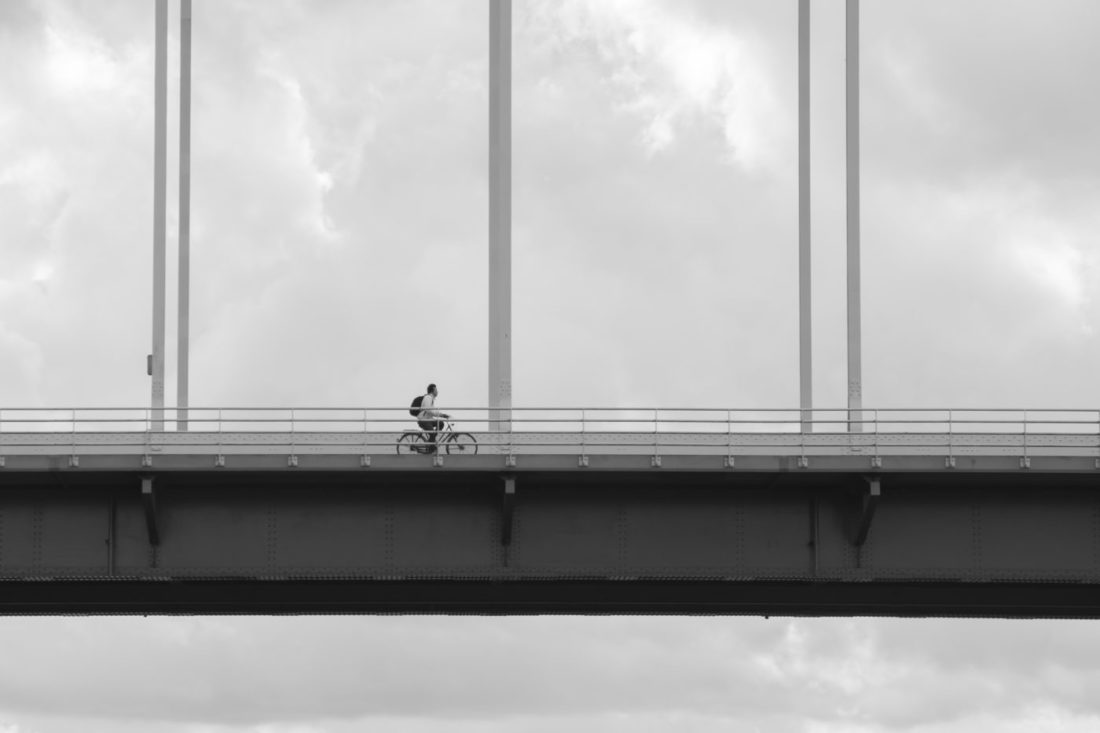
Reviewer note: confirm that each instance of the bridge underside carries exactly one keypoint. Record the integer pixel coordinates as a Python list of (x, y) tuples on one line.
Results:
[(446, 540), (527, 597)]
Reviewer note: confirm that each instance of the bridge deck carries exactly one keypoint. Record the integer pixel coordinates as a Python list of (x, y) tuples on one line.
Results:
[(1003, 520), (558, 450)]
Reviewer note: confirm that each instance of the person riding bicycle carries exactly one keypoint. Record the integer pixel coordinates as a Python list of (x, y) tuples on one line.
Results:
[(428, 419)]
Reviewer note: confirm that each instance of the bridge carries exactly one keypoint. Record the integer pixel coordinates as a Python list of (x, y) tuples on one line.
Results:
[(853, 511), (898, 512)]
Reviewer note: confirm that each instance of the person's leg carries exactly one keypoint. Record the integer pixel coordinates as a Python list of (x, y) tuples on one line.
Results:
[(429, 428)]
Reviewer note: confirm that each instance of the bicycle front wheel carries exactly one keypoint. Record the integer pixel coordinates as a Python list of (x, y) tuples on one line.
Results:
[(408, 443), (462, 443)]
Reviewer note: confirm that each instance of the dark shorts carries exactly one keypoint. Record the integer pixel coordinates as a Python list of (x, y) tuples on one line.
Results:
[(431, 427)]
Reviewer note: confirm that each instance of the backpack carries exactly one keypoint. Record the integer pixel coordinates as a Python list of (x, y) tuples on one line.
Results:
[(414, 408)]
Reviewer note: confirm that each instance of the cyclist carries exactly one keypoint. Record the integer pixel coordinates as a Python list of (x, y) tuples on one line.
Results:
[(428, 419)]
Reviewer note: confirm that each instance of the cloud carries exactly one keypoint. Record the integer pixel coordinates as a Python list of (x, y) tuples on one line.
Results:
[(669, 69), (455, 674), (349, 668), (20, 365), (993, 277), (346, 182), (302, 189), (16, 16), (946, 106), (56, 152), (978, 178), (626, 257), (339, 224)]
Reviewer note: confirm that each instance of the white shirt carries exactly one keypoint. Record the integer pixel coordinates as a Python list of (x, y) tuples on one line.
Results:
[(426, 405)]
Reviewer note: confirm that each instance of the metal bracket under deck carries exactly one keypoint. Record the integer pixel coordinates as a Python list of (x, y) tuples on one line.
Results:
[(867, 512), (149, 500), (507, 508)]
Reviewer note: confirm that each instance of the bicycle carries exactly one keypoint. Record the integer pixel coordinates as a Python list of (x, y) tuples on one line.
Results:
[(416, 441)]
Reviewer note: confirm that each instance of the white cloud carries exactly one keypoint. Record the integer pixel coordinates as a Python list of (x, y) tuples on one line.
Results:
[(79, 65), (943, 105), (21, 361), (671, 69), (14, 729), (1057, 258), (315, 220), (288, 675)]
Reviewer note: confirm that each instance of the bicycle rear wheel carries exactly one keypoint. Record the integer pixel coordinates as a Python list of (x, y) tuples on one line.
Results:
[(409, 442), (460, 443)]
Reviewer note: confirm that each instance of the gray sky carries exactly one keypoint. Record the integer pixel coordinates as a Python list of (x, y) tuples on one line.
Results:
[(339, 258)]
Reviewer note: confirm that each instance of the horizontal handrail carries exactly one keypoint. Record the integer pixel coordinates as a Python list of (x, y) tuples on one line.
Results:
[(867, 421), (580, 430)]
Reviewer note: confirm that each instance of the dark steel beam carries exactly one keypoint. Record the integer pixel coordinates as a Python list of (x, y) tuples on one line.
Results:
[(1014, 544), (589, 597)]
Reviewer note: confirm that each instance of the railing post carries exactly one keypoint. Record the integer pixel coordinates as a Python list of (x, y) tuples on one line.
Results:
[(729, 439), (655, 460), (1025, 435), (219, 457), (950, 437), (874, 427), (584, 428), (855, 420), (293, 442), (802, 436), (365, 427)]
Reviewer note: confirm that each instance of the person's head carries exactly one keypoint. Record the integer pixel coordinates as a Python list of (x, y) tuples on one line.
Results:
[(432, 390)]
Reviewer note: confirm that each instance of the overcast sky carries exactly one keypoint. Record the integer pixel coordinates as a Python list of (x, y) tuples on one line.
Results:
[(340, 258)]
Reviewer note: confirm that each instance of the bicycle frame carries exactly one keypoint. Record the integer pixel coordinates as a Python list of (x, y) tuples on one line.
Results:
[(441, 437), (453, 441)]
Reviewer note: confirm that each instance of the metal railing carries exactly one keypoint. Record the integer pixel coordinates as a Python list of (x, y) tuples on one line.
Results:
[(565, 429)]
